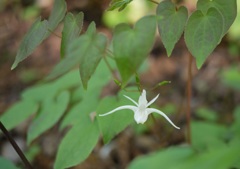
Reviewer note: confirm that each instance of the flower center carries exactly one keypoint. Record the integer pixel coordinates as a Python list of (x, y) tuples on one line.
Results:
[(142, 107)]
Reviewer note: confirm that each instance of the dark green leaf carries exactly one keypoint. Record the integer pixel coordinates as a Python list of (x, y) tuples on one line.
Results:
[(50, 113), (171, 23), (57, 14), (203, 33), (228, 9), (18, 113), (121, 4), (31, 40), (231, 78), (207, 114), (77, 144), (72, 28), (132, 46), (86, 51)]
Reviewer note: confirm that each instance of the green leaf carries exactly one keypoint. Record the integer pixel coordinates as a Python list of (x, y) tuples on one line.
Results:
[(7, 164), (206, 135), (18, 113), (132, 46), (207, 114), (171, 23), (231, 78), (118, 120), (77, 144), (50, 113), (31, 40), (203, 33), (72, 28), (166, 158), (86, 51), (57, 14), (38, 93), (228, 9), (121, 4)]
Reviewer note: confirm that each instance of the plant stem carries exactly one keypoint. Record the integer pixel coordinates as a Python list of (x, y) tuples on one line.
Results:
[(189, 98), (15, 146), (153, 1)]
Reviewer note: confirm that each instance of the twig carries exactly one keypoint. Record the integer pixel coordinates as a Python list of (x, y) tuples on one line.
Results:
[(189, 98), (15, 146), (155, 2)]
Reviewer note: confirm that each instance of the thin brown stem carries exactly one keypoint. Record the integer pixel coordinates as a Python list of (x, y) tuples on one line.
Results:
[(110, 68), (54, 33), (189, 98), (155, 2), (15, 146)]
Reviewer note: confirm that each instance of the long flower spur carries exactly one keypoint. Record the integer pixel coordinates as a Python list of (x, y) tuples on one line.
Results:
[(141, 110)]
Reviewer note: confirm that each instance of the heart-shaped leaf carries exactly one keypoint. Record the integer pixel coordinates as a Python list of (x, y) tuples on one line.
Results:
[(121, 4), (203, 33), (86, 51), (71, 30), (50, 113), (171, 23), (228, 9), (31, 40), (77, 144), (132, 46)]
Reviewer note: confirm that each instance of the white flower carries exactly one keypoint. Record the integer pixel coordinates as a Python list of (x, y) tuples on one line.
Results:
[(141, 110)]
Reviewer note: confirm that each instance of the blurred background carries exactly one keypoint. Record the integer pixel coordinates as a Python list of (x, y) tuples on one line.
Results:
[(215, 88)]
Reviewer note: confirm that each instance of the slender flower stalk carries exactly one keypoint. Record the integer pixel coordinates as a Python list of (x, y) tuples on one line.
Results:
[(141, 110)]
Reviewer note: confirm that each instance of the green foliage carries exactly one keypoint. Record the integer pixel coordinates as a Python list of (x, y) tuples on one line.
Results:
[(5, 163), (86, 51), (77, 144), (203, 33), (129, 48), (57, 14), (171, 23), (231, 78), (64, 99), (19, 112), (31, 41), (72, 28), (209, 150), (228, 10), (51, 111), (118, 121), (121, 4)]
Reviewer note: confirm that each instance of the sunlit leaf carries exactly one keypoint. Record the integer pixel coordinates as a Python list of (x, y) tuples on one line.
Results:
[(77, 144), (121, 4), (72, 28), (50, 112), (171, 23), (17, 113), (132, 46), (31, 40), (203, 33), (228, 9)]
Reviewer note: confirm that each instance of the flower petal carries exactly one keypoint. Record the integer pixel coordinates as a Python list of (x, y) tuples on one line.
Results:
[(152, 110), (152, 101), (142, 99), (131, 100), (133, 108)]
